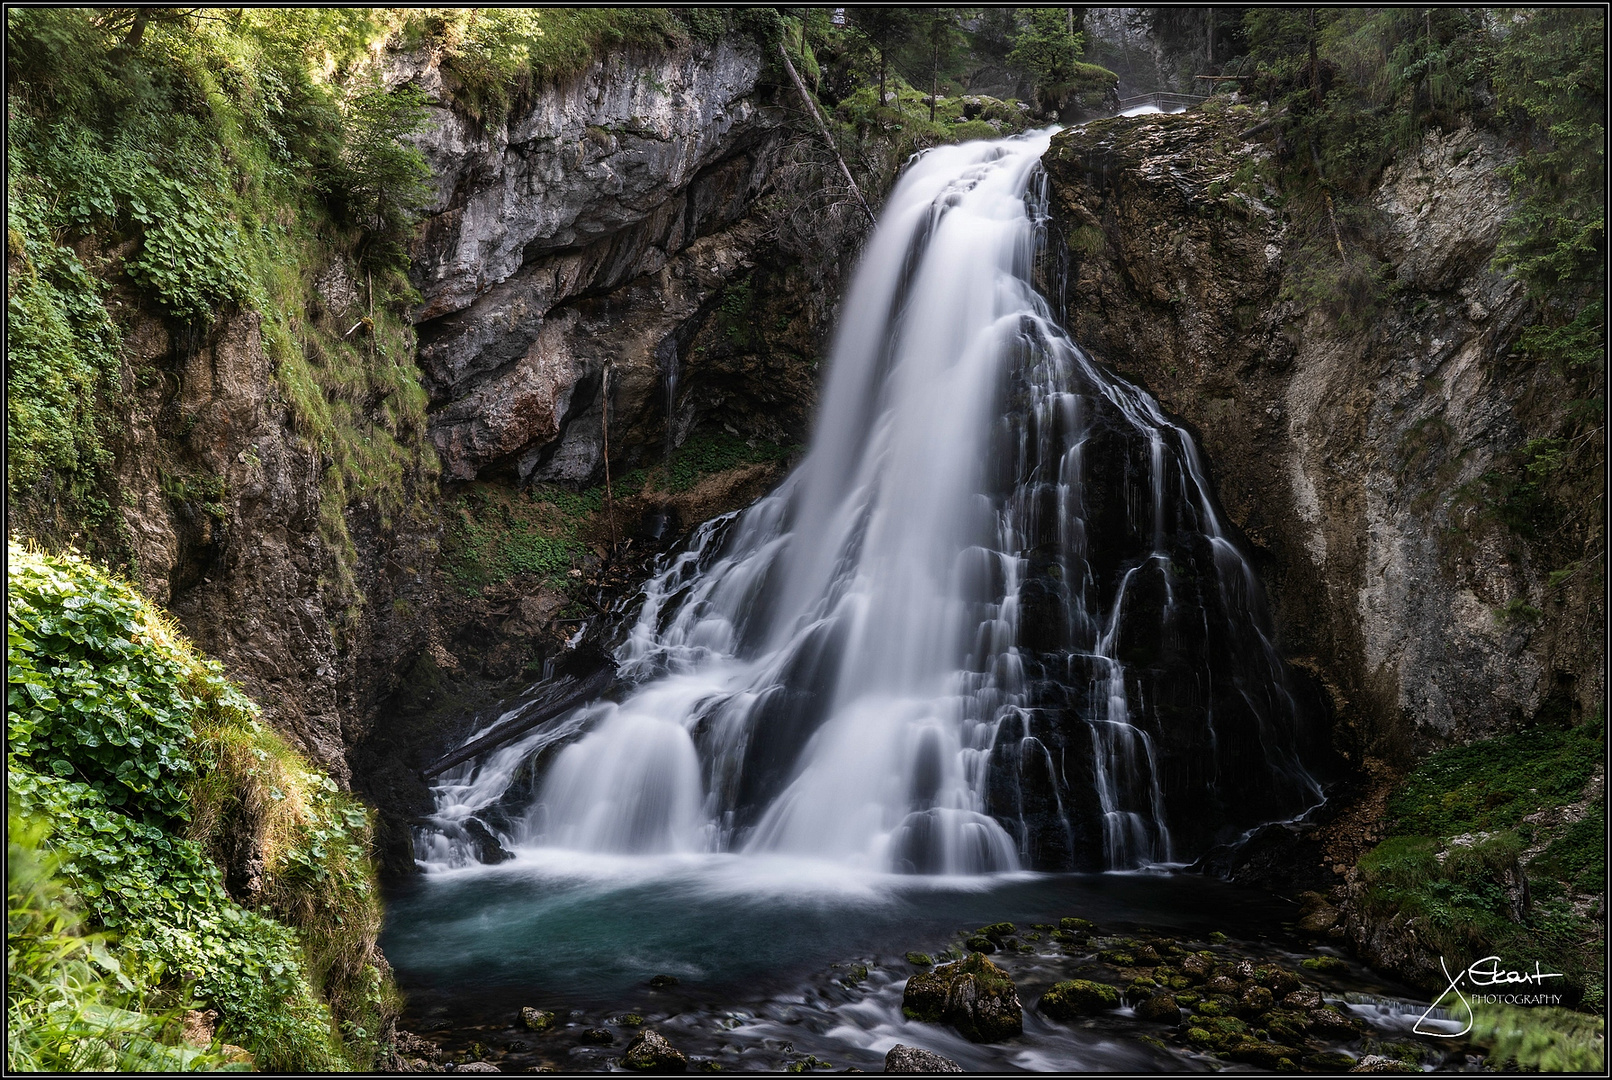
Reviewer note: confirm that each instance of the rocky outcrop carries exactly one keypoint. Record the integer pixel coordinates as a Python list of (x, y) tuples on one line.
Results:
[(1346, 445), (221, 510), (973, 995), (574, 252)]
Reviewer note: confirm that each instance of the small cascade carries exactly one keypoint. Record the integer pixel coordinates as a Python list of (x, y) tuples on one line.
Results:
[(992, 621)]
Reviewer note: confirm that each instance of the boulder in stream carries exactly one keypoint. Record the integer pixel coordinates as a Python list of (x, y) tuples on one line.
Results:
[(973, 995), (911, 1059), (649, 1052), (1078, 997), (536, 1019)]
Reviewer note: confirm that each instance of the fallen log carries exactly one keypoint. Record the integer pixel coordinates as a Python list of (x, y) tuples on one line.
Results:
[(589, 689)]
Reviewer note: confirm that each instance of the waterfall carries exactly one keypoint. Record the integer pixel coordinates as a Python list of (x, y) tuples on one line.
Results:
[(991, 621)]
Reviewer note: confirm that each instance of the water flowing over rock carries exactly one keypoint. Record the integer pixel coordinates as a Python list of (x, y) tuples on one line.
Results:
[(1342, 446), (993, 620)]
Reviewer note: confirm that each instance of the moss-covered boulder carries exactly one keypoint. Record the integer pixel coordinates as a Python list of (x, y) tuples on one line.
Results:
[(1078, 997), (1327, 1021), (649, 1052), (536, 1019), (1159, 1007), (972, 995), (1265, 1055)]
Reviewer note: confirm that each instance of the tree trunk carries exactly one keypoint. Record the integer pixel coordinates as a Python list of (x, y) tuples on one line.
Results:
[(822, 128), (137, 31), (934, 80)]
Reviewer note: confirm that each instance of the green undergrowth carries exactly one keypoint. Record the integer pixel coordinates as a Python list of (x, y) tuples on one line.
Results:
[(191, 167), (71, 1005), (1460, 849), (905, 118), (496, 533), (216, 864), (1540, 1039)]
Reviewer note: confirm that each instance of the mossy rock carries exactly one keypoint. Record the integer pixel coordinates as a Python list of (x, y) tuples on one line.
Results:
[(1160, 1008), (857, 974), (1147, 955), (1326, 965), (597, 1037), (979, 943), (1217, 938), (1117, 958), (536, 1019), (650, 1052), (1265, 1055), (972, 995), (1219, 1032), (1078, 997), (1076, 926), (663, 982), (1329, 1021), (1328, 1061), (920, 959), (997, 931)]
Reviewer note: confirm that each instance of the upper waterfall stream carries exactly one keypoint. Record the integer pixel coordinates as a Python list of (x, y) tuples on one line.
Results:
[(992, 621)]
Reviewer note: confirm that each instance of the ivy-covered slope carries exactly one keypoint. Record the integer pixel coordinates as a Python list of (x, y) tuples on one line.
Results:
[(217, 863)]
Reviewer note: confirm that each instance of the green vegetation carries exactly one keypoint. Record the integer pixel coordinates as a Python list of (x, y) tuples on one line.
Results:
[(1494, 783), (1469, 897), (495, 534), (182, 166), (215, 861), (1540, 1039), (71, 1006)]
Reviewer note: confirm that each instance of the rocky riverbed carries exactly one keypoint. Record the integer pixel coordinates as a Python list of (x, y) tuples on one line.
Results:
[(1046, 992)]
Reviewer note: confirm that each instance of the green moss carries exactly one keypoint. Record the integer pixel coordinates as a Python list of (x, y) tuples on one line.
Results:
[(1578, 855), (1078, 997), (1494, 783)]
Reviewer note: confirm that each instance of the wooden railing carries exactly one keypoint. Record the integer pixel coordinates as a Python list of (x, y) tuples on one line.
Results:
[(1163, 99)]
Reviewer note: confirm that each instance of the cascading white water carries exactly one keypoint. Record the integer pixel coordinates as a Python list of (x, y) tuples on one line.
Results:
[(829, 672)]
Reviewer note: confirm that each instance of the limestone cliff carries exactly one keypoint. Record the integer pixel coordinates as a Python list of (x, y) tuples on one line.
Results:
[(592, 230), (1342, 446)]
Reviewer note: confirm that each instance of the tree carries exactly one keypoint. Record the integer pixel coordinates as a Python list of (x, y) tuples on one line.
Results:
[(939, 34), (1047, 48), (382, 177), (887, 29)]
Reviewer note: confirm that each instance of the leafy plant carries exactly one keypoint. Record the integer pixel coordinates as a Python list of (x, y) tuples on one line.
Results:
[(156, 773)]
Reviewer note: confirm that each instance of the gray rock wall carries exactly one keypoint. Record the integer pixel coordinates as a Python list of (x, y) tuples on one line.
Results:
[(584, 232)]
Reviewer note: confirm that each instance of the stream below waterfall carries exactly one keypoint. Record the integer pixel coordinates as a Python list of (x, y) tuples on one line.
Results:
[(990, 653), (766, 953)]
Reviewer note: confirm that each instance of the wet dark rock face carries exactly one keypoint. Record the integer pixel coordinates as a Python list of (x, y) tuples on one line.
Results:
[(1137, 607), (1339, 444)]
